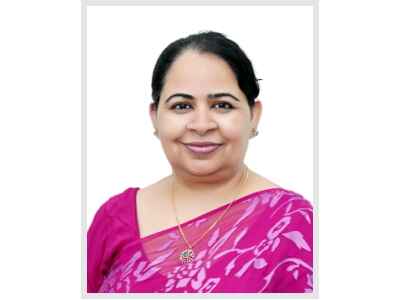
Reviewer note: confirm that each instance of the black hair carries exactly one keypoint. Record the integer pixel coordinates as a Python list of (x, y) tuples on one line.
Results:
[(208, 42)]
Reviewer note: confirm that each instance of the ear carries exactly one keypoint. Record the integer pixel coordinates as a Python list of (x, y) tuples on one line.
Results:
[(256, 114), (153, 114)]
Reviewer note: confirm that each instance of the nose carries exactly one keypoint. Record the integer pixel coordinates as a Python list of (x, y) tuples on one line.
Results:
[(202, 121)]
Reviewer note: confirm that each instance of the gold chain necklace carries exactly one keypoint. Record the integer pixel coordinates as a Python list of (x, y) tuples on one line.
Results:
[(188, 255)]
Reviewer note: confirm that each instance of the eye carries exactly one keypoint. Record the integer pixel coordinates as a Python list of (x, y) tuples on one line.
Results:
[(224, 105), (180, 107)]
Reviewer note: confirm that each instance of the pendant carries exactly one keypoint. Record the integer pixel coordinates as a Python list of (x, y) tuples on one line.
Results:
[(187, 256)]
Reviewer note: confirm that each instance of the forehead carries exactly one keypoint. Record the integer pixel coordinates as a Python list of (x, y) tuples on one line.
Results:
[(199, 73)]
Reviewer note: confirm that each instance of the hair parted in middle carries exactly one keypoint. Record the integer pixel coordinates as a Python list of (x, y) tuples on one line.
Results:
[(208, 42)]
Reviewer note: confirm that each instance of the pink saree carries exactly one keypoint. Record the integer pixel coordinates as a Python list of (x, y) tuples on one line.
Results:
[(262, 245)]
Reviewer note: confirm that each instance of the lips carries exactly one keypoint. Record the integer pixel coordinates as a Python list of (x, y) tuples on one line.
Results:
[(202, 148)]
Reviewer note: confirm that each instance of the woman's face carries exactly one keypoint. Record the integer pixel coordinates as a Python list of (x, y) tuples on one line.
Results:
[(201, 102)]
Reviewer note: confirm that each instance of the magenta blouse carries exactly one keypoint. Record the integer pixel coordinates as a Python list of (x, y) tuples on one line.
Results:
[(264, 244)]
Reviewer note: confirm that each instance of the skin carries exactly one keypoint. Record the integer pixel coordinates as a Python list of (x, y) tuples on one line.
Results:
[(201, 183)]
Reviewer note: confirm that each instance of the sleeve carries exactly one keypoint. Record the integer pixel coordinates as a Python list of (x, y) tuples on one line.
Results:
[(293, 258), (98, 252)]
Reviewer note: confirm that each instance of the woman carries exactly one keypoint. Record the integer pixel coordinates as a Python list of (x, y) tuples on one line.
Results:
[(213, 225)]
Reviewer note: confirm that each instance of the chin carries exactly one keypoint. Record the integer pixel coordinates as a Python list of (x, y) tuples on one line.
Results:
[(199, 169)]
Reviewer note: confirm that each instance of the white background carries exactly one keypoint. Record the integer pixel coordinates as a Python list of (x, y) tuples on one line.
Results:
[(40, 186), (123, 48)]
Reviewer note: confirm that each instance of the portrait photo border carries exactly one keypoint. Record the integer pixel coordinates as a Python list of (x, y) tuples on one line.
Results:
[(84, 6)]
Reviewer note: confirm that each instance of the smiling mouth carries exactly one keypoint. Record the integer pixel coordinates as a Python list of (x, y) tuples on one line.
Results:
[(203, 149)]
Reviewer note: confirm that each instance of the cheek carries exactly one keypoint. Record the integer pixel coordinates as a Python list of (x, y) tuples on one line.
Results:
[(232, 132), (170, 128)]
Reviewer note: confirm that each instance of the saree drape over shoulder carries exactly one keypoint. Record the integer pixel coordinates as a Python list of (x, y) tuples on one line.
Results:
[(262, 245)]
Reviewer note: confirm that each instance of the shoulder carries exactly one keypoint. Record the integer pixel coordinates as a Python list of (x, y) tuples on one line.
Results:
[(289, 216), (282, 202), (280, 208), (119, 206), (277, 194), (280, 196), (107, 235)]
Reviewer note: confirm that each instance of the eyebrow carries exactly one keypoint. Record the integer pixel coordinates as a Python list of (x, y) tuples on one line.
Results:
[(209, 96)]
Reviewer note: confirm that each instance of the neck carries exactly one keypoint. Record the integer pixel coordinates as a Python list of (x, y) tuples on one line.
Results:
[(219, 185)]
